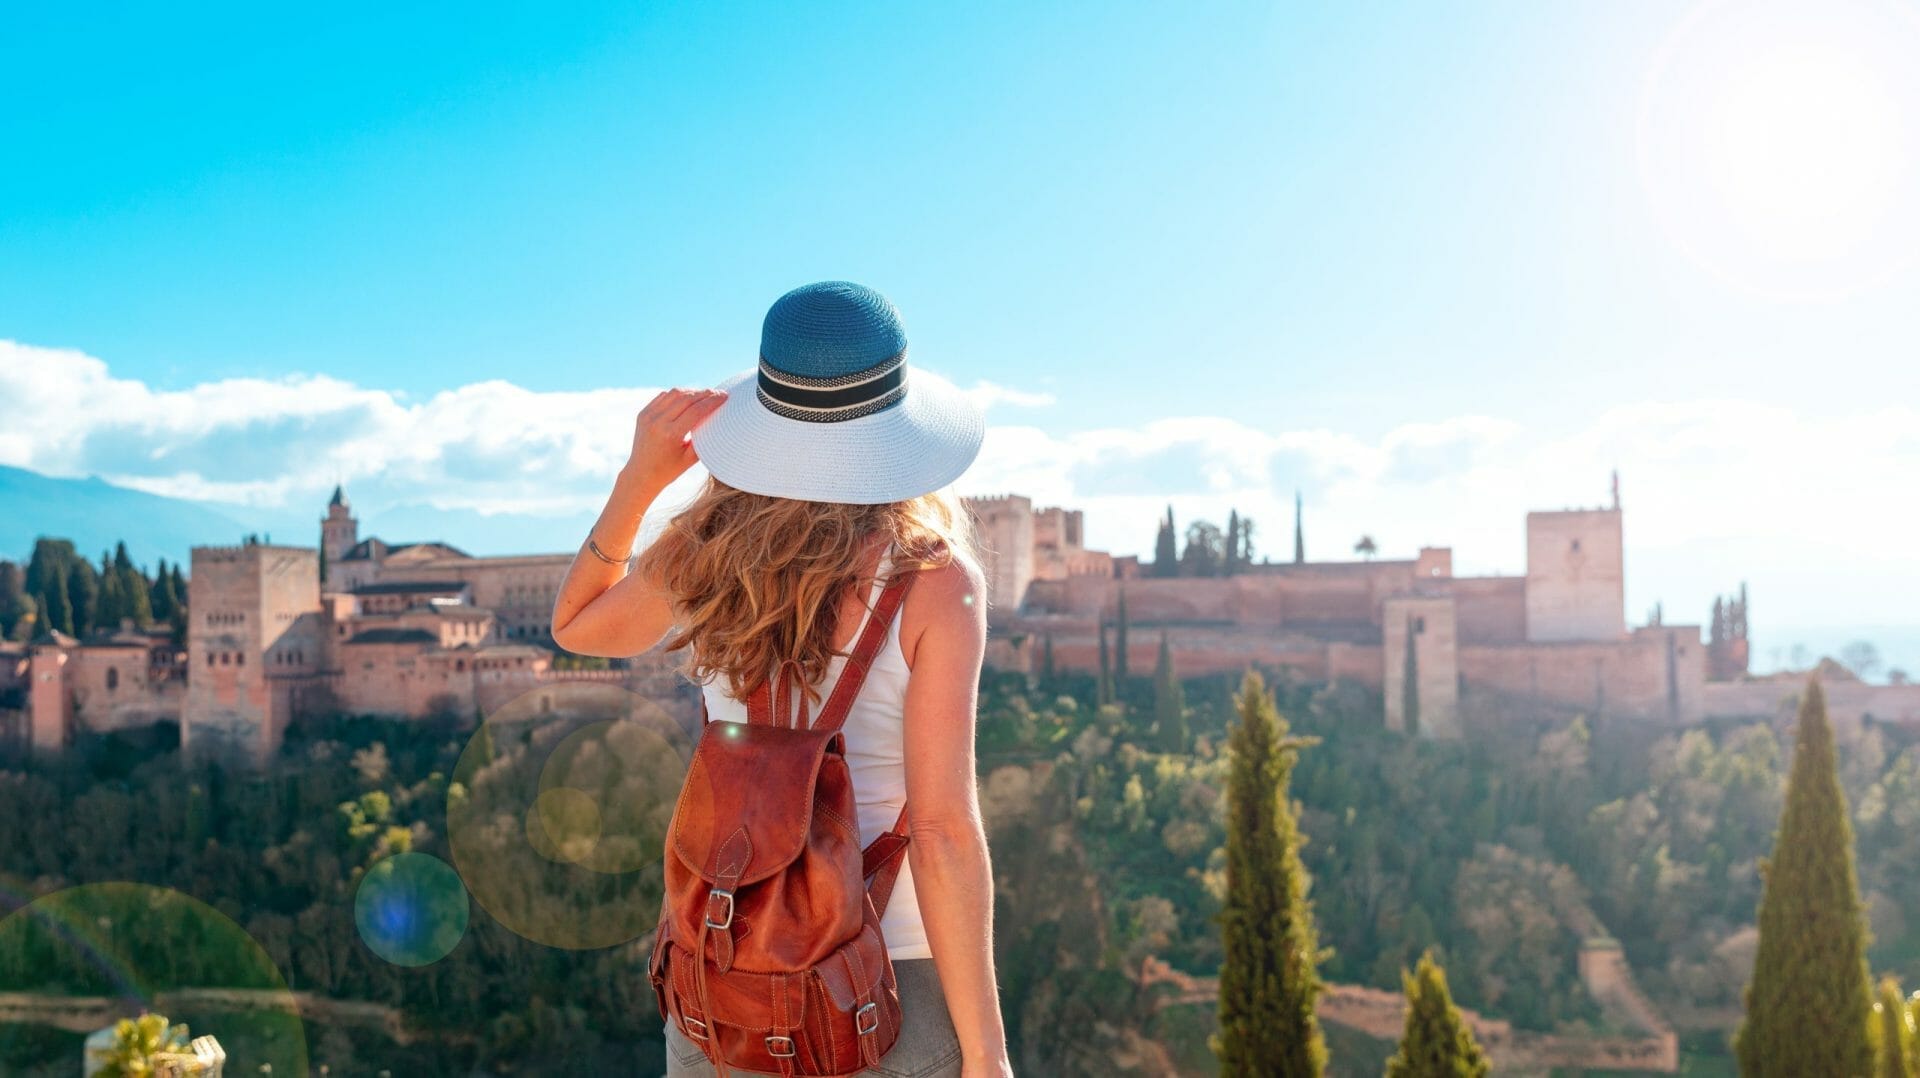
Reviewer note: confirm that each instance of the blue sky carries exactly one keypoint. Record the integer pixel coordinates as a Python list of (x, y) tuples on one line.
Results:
[(1434, 264)]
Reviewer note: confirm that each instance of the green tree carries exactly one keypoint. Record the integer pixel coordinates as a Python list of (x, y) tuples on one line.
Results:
[(1169, 703), (1437, 1042), (1047, 671), (135, 595), (1103, 691), (15, 604), (112, 605), (1230, 564), (1299, 530), (1269, 977), (1410, 685), (1810, 995), (1166, 548), (161, 591), (1895, 1040), (1120, 639), (83, 595), (136, 1041), (56, 601)]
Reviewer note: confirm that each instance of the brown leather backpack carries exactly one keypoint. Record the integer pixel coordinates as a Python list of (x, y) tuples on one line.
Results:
[(769, 954)]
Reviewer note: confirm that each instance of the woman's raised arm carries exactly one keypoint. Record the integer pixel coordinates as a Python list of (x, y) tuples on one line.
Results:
[(601, 609)]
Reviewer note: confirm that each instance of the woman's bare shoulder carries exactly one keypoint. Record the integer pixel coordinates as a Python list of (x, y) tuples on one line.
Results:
[(949, 600)]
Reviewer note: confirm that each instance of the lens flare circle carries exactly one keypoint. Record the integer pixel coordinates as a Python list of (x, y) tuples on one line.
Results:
[(92, 954), (558, 808), (411, 909), (564, 824)]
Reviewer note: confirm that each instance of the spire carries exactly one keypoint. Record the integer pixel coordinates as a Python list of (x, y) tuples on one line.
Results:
[(1299, 531), (1616, 488), (339, 498)]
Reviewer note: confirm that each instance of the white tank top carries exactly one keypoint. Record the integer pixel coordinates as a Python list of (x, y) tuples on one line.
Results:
[(875, 740)]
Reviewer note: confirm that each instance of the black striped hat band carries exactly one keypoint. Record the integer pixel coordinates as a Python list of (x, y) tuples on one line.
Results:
[(835, 399)]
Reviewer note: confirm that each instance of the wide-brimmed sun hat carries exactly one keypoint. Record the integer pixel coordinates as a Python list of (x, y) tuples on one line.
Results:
[(833, 412)]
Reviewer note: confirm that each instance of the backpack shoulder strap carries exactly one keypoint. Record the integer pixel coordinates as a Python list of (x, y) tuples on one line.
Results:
[(872, 635), (880, 862)]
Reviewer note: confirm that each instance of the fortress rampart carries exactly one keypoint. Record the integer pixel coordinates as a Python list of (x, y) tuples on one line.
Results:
[(417, 629)]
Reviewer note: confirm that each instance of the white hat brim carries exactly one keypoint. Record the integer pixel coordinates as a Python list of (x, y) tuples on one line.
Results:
[(915, 447)]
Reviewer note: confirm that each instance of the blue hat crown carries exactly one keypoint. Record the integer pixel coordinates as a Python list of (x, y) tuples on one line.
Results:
[(831, 329)]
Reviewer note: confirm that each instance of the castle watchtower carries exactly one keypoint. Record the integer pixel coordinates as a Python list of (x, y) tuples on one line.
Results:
[(339, 529), (1005, 527), (254, 610), (1576, 579)]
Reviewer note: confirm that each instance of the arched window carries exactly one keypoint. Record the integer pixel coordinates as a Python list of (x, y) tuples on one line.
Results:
[(113, 678)]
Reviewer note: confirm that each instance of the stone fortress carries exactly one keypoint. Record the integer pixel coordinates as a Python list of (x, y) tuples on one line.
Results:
[(1478, 645), (424, 629)]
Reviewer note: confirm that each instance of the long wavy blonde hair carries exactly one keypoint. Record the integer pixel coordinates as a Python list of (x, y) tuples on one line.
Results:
[(757, 581)]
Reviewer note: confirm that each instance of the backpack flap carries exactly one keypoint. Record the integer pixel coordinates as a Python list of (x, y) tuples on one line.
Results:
[(747, 803)]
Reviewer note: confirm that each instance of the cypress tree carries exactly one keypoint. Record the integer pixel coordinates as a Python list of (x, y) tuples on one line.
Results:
[(1169, 702), (1269, 978), (1894, 1041), (1103, 691), (1913, 1027), (1299, 531), (83, 595), (1166, 548), (1120, 641), (137, 603), (1232, 564), (1810, 995), (112, 604), (1410, 687), (56, 603), (161, 590), (1436, 1043), (14, 605), (1046, 660)]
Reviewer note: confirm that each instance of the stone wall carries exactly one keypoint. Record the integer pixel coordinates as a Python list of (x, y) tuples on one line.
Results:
[(1847, 701), (1658, 672)]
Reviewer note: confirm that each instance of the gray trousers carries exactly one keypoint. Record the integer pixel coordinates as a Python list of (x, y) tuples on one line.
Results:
[(927, 1047)]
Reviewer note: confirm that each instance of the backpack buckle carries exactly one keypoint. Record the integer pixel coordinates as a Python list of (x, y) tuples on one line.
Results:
[(859, 1025), (726, 919), (781, 1047)]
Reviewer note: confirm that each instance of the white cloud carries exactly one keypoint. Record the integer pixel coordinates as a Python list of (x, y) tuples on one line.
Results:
[(990, 394), (1814, 512)]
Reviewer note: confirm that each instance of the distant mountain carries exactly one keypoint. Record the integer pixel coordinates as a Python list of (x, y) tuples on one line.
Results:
[(96, 514)]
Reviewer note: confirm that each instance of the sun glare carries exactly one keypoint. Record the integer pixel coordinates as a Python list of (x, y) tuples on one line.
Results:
[(1778, 143)]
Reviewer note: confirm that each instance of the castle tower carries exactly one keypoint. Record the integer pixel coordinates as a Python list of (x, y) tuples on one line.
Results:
[(339, 529), (1576, 577), (49, 703), (252, 608), (1419, 639), (1005, 529)]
